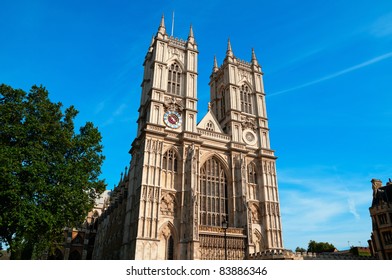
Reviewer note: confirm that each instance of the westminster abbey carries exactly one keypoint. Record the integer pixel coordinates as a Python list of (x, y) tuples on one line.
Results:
[(195, 190)]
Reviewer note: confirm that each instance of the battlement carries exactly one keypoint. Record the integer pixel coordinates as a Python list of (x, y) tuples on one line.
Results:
[(174, 41), (243, 63)]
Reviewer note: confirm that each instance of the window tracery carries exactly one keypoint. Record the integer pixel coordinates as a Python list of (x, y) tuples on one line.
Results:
[(246, 99), (223, 103), (169, 161), (174, 79), (252, 175), (213, 194)]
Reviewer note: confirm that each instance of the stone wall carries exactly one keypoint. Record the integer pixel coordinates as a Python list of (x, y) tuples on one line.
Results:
[(278, 254)]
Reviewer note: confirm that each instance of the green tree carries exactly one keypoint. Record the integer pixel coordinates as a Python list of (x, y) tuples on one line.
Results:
[(49, 175), (320, 247), (298, 249)]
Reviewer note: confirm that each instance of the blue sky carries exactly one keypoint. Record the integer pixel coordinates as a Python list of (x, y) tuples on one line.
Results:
[(328, 77)]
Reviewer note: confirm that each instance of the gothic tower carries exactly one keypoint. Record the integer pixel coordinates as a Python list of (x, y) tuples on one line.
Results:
[(187, 179), (238, 102)]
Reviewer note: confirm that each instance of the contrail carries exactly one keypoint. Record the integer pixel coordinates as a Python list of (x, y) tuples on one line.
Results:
[(337, 74)]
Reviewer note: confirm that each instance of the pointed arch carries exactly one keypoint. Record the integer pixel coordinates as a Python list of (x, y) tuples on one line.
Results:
[(168, 204), (219, 158), (175, 77), (177, 61), (255, 213), (170, 168), (252, 173), (175, 149), (259, 241), (168, 240), (246, 97), (213, 192), (147, 250), (244, 81), (170, 159)]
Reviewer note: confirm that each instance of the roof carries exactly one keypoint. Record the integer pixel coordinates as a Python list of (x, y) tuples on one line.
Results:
[(210, 118)]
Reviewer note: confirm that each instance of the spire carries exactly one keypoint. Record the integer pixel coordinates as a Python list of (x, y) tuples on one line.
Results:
[(162, 28), (254, 59), (191, 38), (215, 68), (229, 52), (190, 32), (162, 21), (191, 43)]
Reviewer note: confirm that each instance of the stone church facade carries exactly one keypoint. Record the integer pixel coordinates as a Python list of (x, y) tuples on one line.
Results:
[(187, 178)]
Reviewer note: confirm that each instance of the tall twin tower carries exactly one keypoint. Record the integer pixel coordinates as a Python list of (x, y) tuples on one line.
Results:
[(195, 190)]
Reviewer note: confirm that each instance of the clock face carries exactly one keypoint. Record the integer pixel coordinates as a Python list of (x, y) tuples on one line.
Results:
[(249, 137), (172, 119)]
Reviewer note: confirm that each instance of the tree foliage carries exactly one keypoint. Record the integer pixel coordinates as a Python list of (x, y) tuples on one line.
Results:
[(298, 249), (320, 247), (49, 174)]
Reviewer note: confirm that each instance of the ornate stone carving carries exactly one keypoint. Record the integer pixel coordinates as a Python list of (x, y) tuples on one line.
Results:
[(242, 74), (167, 205), (166, 232), (174, 52), (255, 214), (173, 104), (248, 123)]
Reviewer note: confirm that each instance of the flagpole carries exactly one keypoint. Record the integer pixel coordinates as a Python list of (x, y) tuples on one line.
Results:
[(172, 31)]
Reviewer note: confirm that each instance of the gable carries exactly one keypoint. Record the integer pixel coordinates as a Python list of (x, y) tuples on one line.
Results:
[(209, 122)]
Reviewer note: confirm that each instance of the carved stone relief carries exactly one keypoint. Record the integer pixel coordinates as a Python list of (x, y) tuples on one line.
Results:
[(173, 104), (174, 52), (248, 123), (167, 205)]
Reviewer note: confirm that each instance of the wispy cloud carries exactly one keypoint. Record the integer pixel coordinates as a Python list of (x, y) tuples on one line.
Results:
[(120, 109), (352, 208), (116, 113), (317, 204), (336, 74), (382, 26), (108, 122), (100, 107)]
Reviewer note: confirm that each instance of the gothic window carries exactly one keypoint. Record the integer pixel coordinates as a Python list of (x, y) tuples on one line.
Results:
[(170, 161), (174, 79), (252, 176), (382, 218), (246, 99), (223, 103), (170, 248), (252, 180), (214, 201), (210, 126), (387, 237)]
